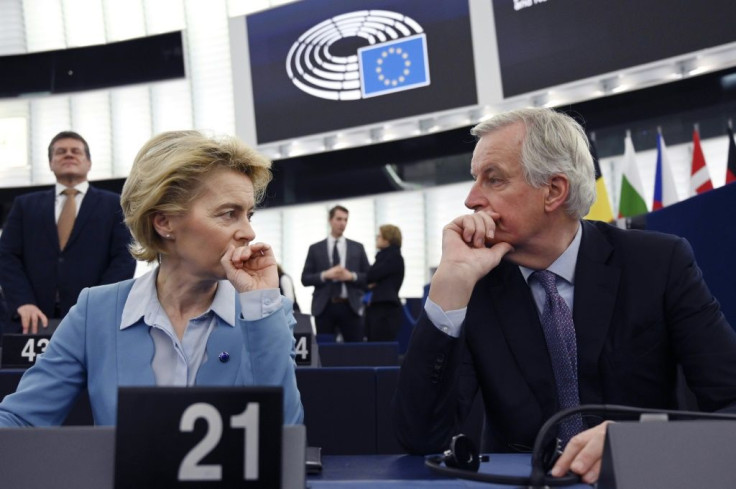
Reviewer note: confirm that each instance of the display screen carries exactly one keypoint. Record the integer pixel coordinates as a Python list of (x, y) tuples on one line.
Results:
[(544, 43), (319, 65)]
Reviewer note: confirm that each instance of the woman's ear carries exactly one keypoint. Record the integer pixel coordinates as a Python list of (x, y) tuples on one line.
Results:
[(558, 190), (162, 225)]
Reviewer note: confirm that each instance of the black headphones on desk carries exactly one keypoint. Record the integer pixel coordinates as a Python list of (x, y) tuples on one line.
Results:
[(462, 460)]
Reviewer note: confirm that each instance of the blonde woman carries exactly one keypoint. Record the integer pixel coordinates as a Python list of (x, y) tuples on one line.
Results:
[(210, 313)]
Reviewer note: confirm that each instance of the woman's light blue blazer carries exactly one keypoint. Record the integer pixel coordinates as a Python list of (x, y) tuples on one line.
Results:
[(89, 350)]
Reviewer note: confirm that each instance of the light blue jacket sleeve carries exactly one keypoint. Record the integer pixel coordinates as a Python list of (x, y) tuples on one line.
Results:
[(47, 391), (270, 346), (101, 357)]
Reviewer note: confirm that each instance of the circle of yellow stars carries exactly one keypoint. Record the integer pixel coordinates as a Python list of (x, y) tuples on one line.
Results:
[(388, 81)]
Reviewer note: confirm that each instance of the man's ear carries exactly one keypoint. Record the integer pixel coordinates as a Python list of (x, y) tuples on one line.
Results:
[(558, 189), (162, 224)]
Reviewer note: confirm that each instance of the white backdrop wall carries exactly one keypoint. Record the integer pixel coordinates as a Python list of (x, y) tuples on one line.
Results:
[(420, 214), (117, 121)]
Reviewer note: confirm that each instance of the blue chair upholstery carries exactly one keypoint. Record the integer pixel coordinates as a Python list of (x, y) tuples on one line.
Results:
[(339, 409), (371, 354)]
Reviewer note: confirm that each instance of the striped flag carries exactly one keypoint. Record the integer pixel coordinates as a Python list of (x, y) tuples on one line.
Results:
[(601, 209), (665, 192), (632, 201), (731, 165), (699, 175)]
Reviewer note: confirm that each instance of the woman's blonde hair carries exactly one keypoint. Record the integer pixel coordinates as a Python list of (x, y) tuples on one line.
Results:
[(391, 233), (167, 175)]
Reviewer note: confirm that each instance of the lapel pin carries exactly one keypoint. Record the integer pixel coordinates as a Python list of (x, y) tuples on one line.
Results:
[(224, 357)]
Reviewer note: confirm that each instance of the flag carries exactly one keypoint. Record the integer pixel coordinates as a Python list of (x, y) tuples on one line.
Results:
[(632, 191), (601, 208), (665, 192), (731, 165), (699, 176), (393, 66)]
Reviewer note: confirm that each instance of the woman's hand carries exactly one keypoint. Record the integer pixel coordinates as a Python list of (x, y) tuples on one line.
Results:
[(251, 267)]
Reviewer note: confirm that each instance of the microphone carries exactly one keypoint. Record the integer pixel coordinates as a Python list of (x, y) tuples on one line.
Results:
[(464, 463)]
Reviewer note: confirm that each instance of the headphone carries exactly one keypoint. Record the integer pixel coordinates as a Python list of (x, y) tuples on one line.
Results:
[(462, 460)]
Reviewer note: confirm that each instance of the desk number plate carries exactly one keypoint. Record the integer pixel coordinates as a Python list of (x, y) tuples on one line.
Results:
[(22, 350), (203, 437)]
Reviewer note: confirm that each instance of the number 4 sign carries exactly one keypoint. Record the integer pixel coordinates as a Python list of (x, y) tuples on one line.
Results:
[(204, 437)]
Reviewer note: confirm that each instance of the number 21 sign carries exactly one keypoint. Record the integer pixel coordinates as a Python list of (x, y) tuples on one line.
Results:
[(204, 437)]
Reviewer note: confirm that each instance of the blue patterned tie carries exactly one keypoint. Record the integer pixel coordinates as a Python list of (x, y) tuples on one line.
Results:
[(559, 331)]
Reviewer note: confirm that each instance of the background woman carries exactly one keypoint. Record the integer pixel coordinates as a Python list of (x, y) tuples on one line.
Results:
[(209, 314), (384, 313)]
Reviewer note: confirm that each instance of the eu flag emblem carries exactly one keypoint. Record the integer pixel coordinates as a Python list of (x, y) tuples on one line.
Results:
[(393, 66)]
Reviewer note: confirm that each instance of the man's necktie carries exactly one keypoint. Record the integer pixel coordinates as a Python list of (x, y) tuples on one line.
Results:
[(559, 331), (335, 255), (336, 285), (67, 216)]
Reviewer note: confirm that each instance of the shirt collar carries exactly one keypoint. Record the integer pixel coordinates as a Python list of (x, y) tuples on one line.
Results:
[(81, 187), (564, 265), (142, 301)]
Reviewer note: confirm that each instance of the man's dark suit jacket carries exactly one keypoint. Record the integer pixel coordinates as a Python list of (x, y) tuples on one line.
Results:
[(640, 308), (387, 272), (32, 266), (318, 260)]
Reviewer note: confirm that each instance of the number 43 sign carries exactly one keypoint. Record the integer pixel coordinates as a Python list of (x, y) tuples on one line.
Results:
[(21, 350), (203, 437)]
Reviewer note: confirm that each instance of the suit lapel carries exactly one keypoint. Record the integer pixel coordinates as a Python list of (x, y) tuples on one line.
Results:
[(327, 256), (519, 321), (224, 339), (349, 253), (596, 285), (134, 348), (135, 354), (89, 205), (48, 216)]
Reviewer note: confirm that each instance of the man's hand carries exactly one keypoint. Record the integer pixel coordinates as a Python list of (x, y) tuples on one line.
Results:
[(467, 255), (583, 454), (251, 267), (332, 273), (31, 317), (339, 274)]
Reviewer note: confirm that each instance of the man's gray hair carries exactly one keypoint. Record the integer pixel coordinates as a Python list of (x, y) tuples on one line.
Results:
[(554, 143)]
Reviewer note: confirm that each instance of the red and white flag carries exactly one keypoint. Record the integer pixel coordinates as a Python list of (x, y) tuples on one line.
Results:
[(699, 176)]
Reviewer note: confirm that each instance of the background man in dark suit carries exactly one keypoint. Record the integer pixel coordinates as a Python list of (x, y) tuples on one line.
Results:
[(56, 242), (541, 310), (337, 267)]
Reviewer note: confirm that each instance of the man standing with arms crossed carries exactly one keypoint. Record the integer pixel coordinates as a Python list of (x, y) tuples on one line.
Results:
[(337, 268)]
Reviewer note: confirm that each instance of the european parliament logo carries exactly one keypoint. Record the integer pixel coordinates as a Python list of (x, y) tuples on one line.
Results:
[(394, 66), (395, 59)]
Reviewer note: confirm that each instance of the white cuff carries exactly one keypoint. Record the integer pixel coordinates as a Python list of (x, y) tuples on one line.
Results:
[(449, 322), (258, 304)]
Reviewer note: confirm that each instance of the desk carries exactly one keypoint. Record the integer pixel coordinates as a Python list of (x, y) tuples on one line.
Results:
[(407, 471), (347, 410)]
